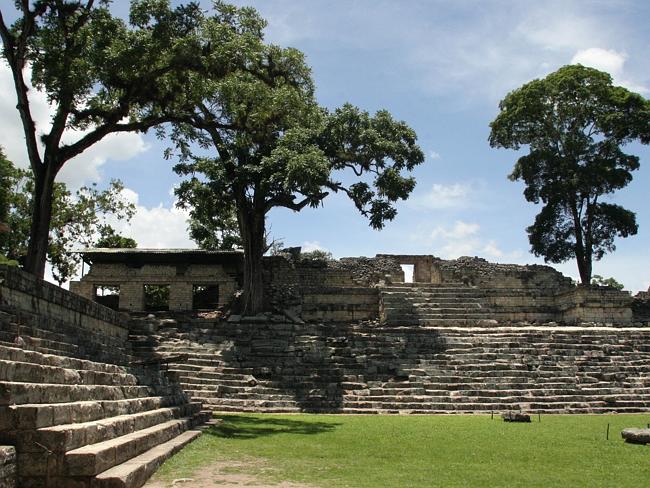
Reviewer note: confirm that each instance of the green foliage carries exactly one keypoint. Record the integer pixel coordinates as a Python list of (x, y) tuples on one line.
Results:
[(111, 239), (574, 123), (276, 147), (78, 219), (6, 261), (610, 282), (103, 75), (212, 223), (6, 175), (156, 297), (419, 451)]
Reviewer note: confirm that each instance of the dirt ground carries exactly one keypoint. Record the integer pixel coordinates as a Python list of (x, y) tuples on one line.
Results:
[(223, 475)]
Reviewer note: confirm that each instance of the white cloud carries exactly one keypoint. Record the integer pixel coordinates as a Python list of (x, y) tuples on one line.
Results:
[(309, 246), (442, 196), (460, 230), (81, 170), (434, 155), (610, 61), (602, 59), (155, 227), (130, 196), (463, 239)]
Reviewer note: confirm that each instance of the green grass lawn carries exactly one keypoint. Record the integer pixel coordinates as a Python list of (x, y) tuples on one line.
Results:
[(419, 451)]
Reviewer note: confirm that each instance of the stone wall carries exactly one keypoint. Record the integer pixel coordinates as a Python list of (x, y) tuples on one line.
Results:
[(100, 333), (522, 304), (7, 467), (338, 304), (596, 305), (480, 272), (328, 290), (180, 278)]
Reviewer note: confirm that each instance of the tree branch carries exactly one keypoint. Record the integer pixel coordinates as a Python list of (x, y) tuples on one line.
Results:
[(16, 59), (287, 201)]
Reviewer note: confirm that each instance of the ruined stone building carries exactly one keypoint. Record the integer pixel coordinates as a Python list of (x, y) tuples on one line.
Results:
[(100, 384)]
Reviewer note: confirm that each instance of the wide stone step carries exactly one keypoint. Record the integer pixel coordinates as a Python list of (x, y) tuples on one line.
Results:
[(12, 393), (204, 362), (38, 373), (266, 409), (36, 416), (63, 438), (253, 402), (26, 356), (508, 397), (136, 471), (223, 378), (93, 459)]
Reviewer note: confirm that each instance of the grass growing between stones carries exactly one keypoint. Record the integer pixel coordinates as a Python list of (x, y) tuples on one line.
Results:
[(422, 451)]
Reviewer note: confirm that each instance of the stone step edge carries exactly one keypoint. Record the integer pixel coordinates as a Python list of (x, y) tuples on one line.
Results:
[(40, 422), (64, 436), (93, 459), (136, 471), (19, 354)]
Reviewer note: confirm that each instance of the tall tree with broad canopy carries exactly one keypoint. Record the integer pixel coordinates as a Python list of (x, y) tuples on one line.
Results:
[(102, 76), (575, 123), (259, 141)]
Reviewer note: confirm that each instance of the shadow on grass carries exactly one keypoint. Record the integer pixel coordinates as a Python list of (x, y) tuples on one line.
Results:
[(247, 427)]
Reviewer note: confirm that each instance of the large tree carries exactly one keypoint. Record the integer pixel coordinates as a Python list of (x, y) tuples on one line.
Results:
[(575, 123), (261, 141), (79, 219), (103, 76)]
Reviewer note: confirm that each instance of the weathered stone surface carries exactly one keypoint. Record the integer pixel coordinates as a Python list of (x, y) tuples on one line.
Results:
[(636, 436), (515, 417), (7, 467)]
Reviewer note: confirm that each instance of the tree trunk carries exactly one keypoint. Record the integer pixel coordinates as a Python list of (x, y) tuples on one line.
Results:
[(583, 255), (41, 218), (584, 268), (251, 226)]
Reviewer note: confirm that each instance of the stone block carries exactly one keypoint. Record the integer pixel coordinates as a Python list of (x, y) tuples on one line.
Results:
[(636, 436), (8, 467)]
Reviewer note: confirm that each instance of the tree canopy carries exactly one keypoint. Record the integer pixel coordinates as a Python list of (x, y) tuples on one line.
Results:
[(266, 143), (102, 76), (79, 219), (575, 123)]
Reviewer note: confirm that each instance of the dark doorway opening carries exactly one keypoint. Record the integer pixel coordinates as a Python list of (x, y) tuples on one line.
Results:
[(205, 297), (409, 271)]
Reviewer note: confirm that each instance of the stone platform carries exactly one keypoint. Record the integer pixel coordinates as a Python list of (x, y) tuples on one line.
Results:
[(370, 368)]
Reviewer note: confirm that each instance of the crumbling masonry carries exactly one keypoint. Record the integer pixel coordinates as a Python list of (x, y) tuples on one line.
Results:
[(86, 399)]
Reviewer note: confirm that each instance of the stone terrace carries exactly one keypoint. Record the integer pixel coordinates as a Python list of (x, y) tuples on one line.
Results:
[(367, 368)]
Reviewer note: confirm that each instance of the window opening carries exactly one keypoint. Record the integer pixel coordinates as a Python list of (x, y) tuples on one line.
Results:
[(156, 298), (108, 295)]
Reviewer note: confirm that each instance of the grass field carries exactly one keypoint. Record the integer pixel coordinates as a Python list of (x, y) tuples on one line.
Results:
[(424, 451)]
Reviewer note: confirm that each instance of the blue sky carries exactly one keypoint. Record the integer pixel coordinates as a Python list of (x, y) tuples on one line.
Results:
[(442, 66)]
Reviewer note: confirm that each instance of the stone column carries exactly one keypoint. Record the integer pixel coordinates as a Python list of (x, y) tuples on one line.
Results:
[(132, 296), (180, 295)]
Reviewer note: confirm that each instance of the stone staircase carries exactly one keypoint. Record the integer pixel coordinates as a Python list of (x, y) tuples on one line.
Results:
[(448, 304), (212, 373), (365, 368), (552, 370), (81, 423)]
